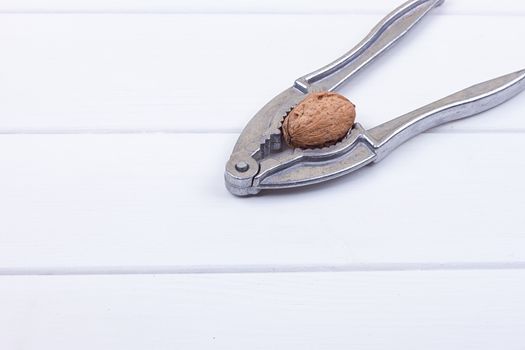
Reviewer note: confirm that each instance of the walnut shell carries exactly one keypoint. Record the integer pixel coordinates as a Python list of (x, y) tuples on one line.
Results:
[(320, 120)]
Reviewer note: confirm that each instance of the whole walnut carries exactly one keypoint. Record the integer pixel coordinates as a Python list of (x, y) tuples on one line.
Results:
[(320, 120)]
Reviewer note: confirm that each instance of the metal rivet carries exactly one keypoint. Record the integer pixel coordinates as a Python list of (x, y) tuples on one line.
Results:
[(242, 167)]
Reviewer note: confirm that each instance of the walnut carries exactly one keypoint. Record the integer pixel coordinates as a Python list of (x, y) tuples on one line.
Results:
[(320, 120)]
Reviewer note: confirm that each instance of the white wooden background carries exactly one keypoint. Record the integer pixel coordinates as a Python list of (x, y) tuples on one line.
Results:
[(116, 232)]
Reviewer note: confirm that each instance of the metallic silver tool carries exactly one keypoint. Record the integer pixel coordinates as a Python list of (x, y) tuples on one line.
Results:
[(261, 160)]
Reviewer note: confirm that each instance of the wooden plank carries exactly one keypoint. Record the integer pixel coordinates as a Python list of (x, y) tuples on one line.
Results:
[(403, 310), (114, 202), (485, 7), (99, 73)]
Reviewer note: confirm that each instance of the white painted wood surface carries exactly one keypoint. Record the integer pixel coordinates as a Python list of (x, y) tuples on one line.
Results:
[(101, 73), (484, 7), (402, 310), (116, 231), (157, 201)]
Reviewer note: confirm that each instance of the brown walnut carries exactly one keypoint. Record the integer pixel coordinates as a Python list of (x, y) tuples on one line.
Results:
[(320, 120)]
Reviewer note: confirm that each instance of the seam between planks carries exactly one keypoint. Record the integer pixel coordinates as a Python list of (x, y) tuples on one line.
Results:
[(263, 269), (153, 131), (334, 12)]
